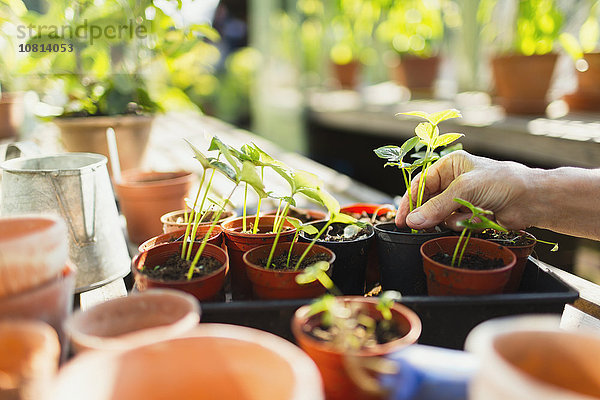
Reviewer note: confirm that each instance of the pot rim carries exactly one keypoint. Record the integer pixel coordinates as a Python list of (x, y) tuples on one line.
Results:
[(95, 161), (180, 177), (102, 119), (176, 233), (230, 232), (380, 227), (527, 234), (369, 227), (300, 319), (284, 244), (224, 266), (164, 218), (508, 266)]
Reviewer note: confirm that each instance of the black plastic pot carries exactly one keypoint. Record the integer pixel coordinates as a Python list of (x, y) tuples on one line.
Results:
[(400, 261), (350, 258)]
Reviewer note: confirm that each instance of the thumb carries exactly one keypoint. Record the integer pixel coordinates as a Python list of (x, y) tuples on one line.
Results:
[(434, 211)]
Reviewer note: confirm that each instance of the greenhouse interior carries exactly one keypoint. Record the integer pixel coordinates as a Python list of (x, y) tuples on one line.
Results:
[(199, 194)]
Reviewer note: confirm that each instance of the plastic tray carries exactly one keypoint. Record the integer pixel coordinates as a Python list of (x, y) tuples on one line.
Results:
[(446, 320)]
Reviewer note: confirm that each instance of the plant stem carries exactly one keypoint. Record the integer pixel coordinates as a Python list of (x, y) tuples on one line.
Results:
[(187, 228), (207, 189), (205, 240), (423, 177), (287, 264), (464, 247), (256, 219), (244, 211), (408, 189), (312, 243), (279, 229), (277, 215), (460, 238)]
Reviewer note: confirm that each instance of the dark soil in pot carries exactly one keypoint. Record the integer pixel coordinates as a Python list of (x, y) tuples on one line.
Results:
[(279, 263), (385, 332), (473, 262), (176, 269), (351, 254), (400, 261)]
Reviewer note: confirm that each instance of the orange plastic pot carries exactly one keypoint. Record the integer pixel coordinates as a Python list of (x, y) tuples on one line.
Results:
[(29, 361), (203, 288), (303, 214), (347, 75), (173, 220), (145, 196), (368, 208), (216, 237), (273, 284), (50, 302), (587, 95), (238, 243), (333, 364), (522, 82), (417, 74), (11, 114), (214, 361), (443, 280)]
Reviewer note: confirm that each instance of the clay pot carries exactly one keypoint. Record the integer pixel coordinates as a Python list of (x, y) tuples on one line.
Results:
[(34, 250), (273, 284), (346, 75), (50, 302), (214, 361), (127, 322), (29, 361), (203, 288), (530, 357), (11, 114), (333, 364), (303, 214), (88, 134), (587, 95), (145, 196), (216, 237), (238, 243), (443, 280), (522, 82), (417, 74), (174, 220)]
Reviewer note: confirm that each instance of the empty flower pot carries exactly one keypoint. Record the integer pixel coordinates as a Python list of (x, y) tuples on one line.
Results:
[(145, 196), (214, 361), (281, 284), (444, 280), (132, 321)]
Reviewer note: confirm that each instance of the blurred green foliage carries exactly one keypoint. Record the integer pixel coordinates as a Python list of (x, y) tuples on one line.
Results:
[(11, 12), (588, 35)]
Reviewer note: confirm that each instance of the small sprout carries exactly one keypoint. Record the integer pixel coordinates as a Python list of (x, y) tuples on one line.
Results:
[(554, 248), (351, 231), (386, 302), (155, 268)]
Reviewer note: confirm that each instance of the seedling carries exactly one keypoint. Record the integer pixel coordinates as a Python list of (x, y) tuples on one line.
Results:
[(427, 135), (477, 221), (345, 324)]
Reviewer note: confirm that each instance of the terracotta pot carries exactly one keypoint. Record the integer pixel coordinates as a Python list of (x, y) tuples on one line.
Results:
[(34, 250), (170, 220), (50, 302), (303, 214), (333, 364), (214, 361), (346, 75), (11, 114), (145, 196), (203, 288), (29, 361), (587, 95), (216, 237), (417, 74), (88, 134), (238, 243), (522, 82), (530, 357), (271, 284), (127, 322), (443, 280)]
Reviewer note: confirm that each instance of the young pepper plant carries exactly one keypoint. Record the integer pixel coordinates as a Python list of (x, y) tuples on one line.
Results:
[(477, 221)]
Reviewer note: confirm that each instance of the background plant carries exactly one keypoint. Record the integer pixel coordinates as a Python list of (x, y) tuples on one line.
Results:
[(11, 13), (587, 38)]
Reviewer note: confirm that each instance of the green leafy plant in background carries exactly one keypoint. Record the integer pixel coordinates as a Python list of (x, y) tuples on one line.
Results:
[(345, 324), (587, 39), (427, 135), (535, 24), (11, 13), (134, 73)]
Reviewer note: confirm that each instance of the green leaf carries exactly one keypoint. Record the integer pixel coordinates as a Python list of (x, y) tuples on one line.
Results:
[(309, 229), (248, 174), (440, 116), (420, 114), (304, 179), (446, 139), (224, 169), (345, 219), (199, 156), (207, 31), (288, 199), (386, 301), (408, 145), (217, 144), (390, 152), (448, 150), (400, 165), (589, 34), (571, 45), (312, 272), (251, 153), (425, 132)]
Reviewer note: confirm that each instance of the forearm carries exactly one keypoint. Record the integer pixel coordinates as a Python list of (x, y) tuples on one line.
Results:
[(566, 200)]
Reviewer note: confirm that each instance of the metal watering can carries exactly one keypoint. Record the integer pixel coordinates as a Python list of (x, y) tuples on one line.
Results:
[(76, 186)]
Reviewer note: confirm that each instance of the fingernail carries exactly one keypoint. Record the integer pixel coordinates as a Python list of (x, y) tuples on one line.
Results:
[(415, 218)]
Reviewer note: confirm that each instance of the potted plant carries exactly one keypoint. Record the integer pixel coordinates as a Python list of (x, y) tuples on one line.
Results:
[(400, 262), (584, 51), (216, 237), (340, 332), (119, 80), (524, 62), (11, 100), (414, 30), (464, 265)]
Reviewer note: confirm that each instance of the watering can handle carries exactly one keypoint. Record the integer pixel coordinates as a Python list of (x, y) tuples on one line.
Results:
[(18, 149), (87, 234)]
